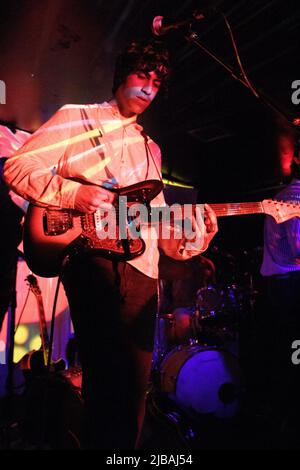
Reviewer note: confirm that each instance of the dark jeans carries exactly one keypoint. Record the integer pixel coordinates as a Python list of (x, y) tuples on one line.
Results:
[(113, 309)]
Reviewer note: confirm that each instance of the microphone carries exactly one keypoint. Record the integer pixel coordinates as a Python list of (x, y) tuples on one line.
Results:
[(162, 25)]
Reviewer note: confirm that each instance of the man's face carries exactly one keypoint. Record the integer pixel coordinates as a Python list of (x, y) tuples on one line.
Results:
[(136, 93)]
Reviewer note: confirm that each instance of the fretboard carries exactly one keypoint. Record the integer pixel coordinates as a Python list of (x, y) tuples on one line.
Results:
[(237, 208)]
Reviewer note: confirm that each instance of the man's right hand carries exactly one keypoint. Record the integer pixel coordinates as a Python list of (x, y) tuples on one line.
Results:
[(89, 198)]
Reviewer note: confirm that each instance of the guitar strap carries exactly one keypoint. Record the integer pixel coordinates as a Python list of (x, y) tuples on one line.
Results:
[(149, 152), (95, 141)]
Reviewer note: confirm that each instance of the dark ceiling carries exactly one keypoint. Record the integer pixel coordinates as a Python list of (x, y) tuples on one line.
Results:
[(214, 133)]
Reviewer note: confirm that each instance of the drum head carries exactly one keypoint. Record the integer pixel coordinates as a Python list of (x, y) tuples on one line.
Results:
[(205, 381)]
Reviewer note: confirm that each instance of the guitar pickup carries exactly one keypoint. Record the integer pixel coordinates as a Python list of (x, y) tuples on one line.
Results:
[(57, 222)]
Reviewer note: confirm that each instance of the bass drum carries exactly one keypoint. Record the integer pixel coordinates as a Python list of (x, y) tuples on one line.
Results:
[(202, 381)]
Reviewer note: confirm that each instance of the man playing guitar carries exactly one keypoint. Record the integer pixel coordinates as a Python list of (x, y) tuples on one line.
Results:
[(76, 161)]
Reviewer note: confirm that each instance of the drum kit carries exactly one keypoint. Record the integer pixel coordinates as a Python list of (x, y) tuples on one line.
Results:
[(196, 363)]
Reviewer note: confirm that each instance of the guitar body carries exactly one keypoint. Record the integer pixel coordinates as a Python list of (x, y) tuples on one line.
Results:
[(50, 235), (44, 253)]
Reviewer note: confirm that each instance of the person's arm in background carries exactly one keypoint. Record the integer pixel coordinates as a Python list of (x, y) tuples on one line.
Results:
[(292, 226), (292, 230)]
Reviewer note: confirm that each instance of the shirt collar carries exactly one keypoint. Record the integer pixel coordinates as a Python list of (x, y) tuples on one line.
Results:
[(126, 122)]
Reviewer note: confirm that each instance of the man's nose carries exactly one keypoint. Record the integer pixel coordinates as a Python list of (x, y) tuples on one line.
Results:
[(147, 89)]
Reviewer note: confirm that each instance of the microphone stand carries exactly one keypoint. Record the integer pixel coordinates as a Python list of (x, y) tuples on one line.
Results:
[(192, 37)]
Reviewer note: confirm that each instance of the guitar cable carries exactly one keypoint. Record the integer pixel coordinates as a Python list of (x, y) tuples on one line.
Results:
[(48, 365), (44, 408)]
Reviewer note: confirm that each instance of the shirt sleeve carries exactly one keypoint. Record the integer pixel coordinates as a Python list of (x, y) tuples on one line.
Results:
[(292, 230), (33, 172), (292, 226)]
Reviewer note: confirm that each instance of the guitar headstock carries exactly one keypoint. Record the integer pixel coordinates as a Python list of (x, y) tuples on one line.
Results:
[(33, 284), (281, 210)]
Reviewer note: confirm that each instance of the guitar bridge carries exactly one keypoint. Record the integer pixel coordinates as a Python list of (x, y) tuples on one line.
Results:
[(57, 222)]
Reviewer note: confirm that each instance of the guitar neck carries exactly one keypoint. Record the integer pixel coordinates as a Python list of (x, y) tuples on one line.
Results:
[(237, 208), (43, 327)]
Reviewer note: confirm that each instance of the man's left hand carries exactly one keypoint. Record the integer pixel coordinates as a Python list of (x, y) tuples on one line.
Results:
[(204, 230)]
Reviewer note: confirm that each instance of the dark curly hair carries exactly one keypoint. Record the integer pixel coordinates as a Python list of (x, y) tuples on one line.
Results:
[(145, 56)]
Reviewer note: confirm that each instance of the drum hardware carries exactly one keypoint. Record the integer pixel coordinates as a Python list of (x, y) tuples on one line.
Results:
[(209, 300), (196, 372), (180, 327), (206, 323), (167, 418)]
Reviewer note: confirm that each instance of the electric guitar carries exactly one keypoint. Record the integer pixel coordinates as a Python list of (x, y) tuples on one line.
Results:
[(36, 361), (49, 235)]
